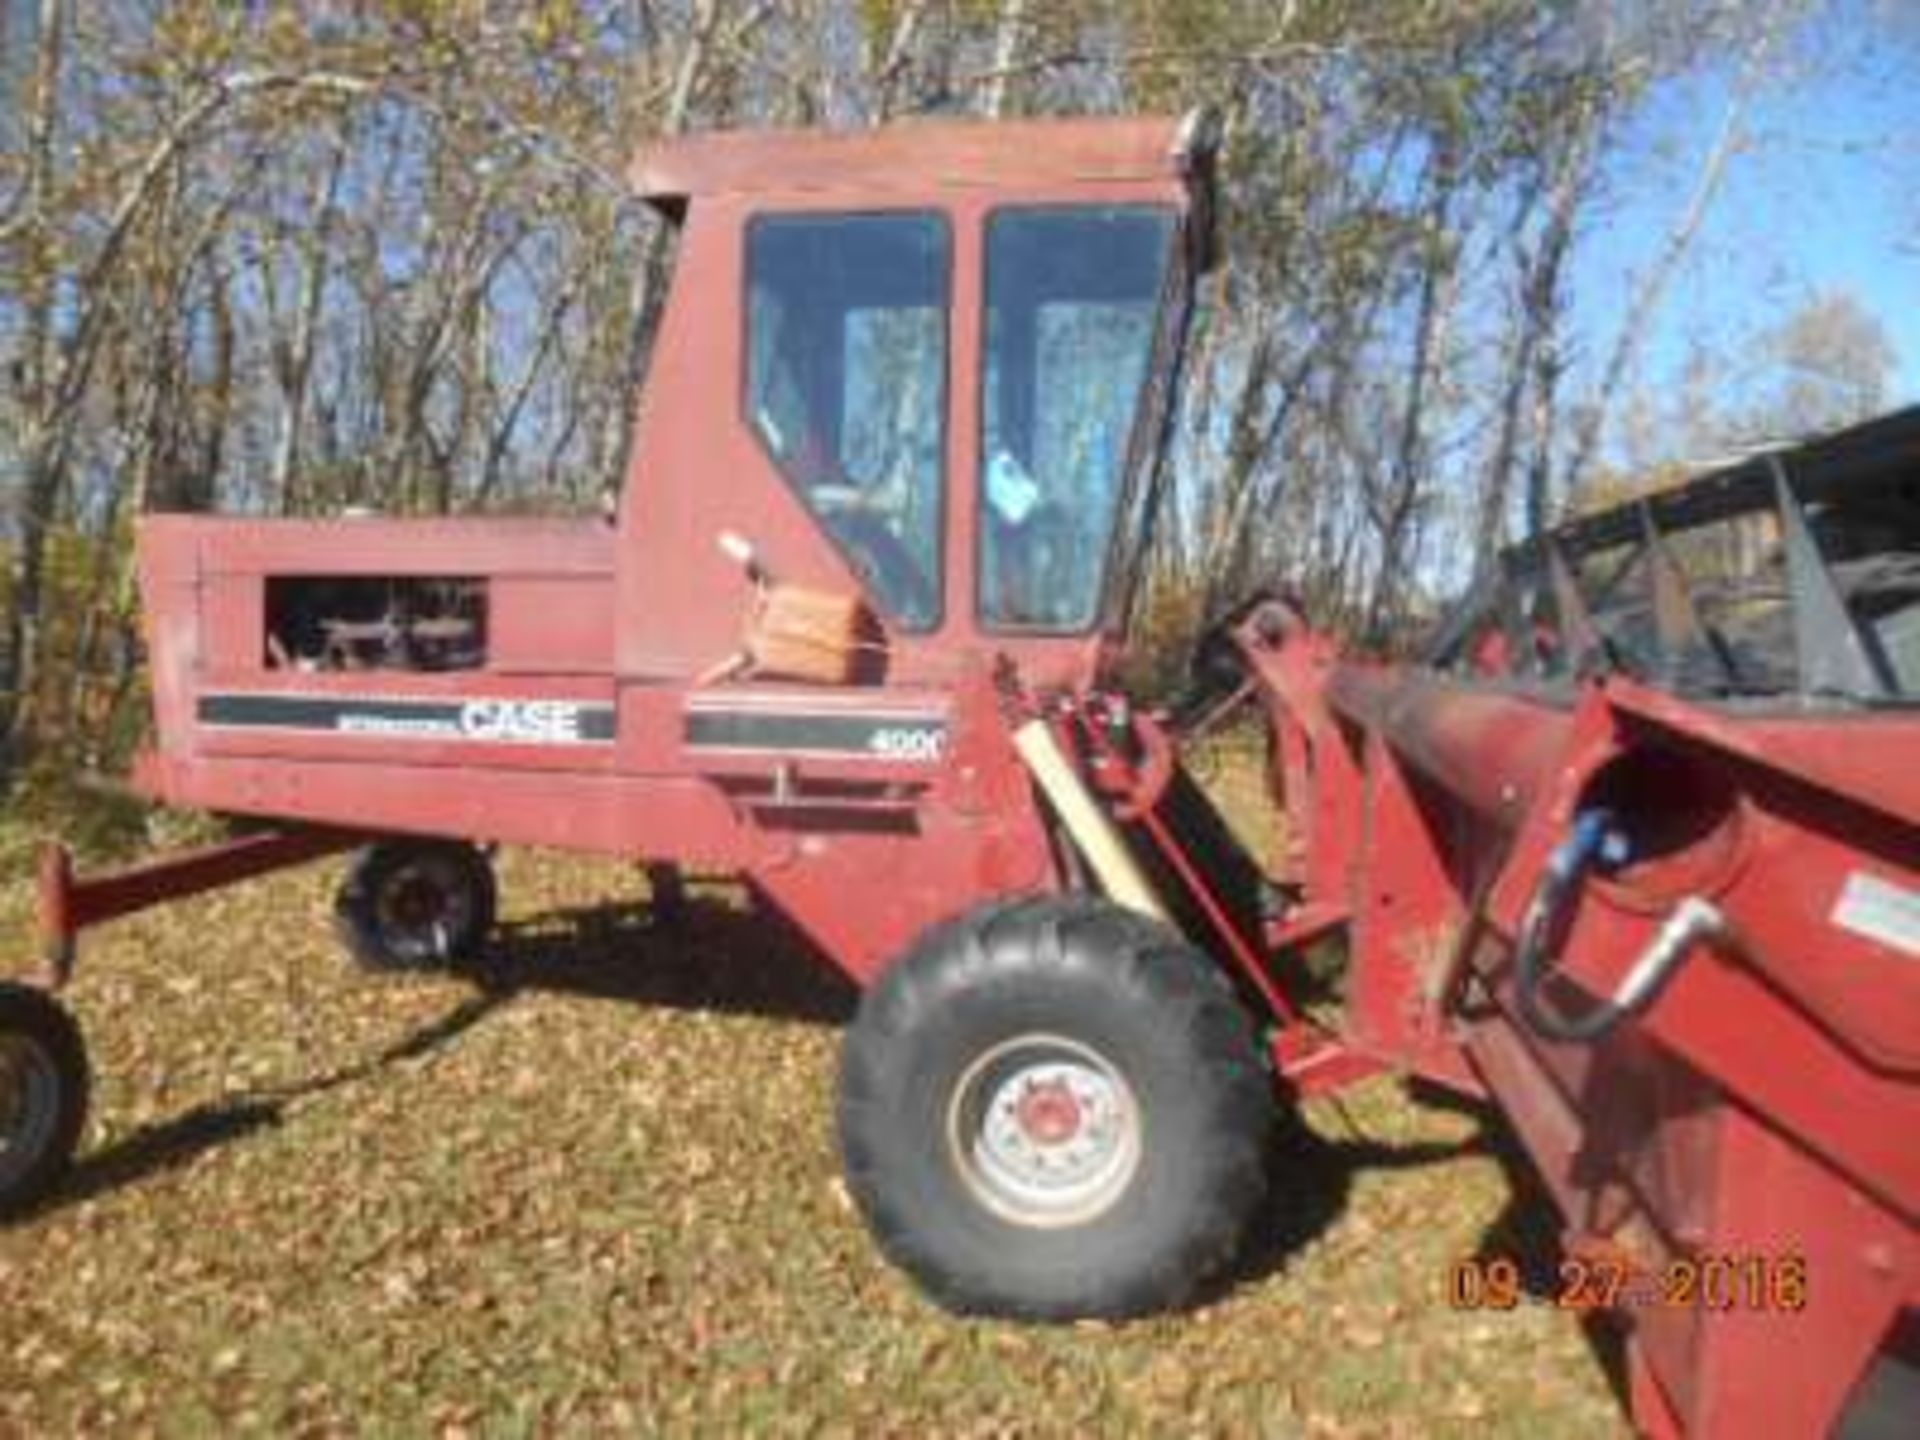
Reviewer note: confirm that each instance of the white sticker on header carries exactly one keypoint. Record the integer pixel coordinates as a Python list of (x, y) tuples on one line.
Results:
[(1880, 910)]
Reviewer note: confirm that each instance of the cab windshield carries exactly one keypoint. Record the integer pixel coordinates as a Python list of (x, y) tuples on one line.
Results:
[(1075, 302)]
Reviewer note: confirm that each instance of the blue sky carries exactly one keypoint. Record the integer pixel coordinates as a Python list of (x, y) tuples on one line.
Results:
[(1827, 196)]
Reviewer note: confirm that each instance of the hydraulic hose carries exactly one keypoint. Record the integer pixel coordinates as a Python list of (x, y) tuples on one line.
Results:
[(1596, 843)]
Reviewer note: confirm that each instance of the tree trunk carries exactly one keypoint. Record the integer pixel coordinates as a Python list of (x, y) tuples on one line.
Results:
[(43, 464), (1408, 470), (896, 63), (1007, 35), (296, 375), (1653, 286), (1535, 350), (645, 296)]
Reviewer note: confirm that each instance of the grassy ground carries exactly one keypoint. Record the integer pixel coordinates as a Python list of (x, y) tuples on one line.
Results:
[(595, 1189)]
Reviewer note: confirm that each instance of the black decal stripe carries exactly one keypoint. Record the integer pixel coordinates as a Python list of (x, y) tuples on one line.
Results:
[(309, 712), (354, 715), (714, 703), (822, 734)]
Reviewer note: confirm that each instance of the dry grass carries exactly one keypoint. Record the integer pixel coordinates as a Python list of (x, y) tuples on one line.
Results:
[(595, 1188)]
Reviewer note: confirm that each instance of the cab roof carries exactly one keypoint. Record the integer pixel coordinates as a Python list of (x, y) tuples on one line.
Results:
[(919, 153)]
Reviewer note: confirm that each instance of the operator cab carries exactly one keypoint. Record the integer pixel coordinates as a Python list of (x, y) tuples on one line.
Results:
[(933, 364)]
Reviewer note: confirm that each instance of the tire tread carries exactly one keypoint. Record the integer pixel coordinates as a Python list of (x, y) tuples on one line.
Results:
[(1141, 965), (37, 1015)]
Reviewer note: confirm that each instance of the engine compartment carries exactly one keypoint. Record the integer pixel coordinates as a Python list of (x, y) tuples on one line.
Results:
[(318, 623)]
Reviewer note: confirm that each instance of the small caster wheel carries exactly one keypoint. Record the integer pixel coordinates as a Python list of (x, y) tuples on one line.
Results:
[(416, 904)]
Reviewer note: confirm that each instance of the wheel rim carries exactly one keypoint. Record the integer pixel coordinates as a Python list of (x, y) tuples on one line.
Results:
[(1044, 1131), (29, 1105), (424, 909)]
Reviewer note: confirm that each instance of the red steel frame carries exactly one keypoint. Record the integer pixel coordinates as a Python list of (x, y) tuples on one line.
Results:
[(68, 905), (1766, 1101)]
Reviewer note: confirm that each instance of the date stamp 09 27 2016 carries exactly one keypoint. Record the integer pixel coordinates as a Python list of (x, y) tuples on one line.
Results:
[(1775, 1284)]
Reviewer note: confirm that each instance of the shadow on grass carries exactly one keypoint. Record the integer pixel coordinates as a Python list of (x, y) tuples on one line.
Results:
[(1310, 1179), (714, 958), (721, 959), (170, 1144), (1528, 1231), (711, 958)]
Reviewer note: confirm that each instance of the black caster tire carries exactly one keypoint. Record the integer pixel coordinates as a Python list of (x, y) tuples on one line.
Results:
[(1054, 1110), (416, 904), (44, 1082)]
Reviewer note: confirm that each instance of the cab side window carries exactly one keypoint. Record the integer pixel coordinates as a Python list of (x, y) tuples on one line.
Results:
[(846, 387), (1074, 304)]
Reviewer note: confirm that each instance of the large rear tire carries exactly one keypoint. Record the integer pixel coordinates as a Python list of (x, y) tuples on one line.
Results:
[(416, 904), (1055, 1109), (43, 1095)]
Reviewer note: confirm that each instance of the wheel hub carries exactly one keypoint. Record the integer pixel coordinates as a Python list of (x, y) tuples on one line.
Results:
[(1044, 1131), (1048, 1114), (421, 908), (417, 902)]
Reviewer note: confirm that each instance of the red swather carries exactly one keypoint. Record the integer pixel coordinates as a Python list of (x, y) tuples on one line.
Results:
[(1757, 1102)]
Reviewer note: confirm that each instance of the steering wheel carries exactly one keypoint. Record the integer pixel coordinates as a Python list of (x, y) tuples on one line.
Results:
[(883, 564), (838, 499), (1027, 562)]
